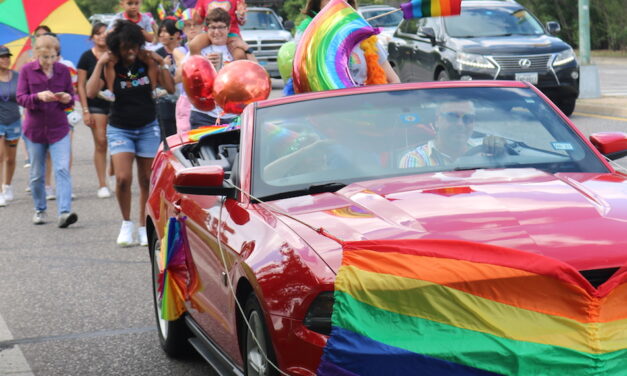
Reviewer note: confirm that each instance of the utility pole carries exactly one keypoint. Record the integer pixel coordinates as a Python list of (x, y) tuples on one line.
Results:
[(589, 86)]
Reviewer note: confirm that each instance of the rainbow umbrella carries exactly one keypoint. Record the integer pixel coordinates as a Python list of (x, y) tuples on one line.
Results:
[(20, 18)]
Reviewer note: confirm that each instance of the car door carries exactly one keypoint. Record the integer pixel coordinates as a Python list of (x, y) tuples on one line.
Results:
[(401, 50), (425, 51)]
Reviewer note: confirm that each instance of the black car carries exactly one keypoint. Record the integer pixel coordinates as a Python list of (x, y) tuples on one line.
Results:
[(497, 40)]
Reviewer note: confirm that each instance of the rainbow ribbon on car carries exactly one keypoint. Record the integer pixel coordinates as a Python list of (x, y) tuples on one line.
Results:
[(444, 307)]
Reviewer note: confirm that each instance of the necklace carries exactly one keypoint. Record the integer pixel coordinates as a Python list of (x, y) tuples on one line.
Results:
[(130, 73), (5, 98)]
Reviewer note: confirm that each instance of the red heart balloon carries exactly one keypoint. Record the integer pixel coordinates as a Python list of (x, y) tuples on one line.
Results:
[(198, 78), (239, 83)]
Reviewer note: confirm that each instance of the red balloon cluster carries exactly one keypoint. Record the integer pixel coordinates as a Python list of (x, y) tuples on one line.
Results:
[(239, 83), (198, 77)]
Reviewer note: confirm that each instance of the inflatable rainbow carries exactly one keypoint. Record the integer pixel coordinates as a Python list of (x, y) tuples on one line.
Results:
[(321, 59)]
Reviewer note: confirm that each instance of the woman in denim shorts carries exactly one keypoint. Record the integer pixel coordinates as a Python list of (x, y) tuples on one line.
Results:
[(133, 132), (10, 125)]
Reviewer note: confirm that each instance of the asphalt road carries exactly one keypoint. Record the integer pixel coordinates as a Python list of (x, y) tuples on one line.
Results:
[(73, 303), (612, 76)]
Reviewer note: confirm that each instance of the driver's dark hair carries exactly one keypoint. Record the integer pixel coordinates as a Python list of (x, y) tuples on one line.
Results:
[(218, 15), (127, 33)]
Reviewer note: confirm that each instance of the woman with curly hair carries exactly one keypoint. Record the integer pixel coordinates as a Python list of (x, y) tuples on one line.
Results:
[(133, 132)]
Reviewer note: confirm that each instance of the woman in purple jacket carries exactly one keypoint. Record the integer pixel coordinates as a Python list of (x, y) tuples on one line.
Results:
[(45, 90)]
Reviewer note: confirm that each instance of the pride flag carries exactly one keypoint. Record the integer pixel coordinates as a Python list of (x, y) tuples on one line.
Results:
[(431, 8), (440, 307)]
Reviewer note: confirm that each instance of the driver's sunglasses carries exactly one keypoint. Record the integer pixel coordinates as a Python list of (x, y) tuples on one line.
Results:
[(454, 117)]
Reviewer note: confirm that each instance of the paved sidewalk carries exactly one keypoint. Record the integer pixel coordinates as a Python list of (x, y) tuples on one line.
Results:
[(609, 106)]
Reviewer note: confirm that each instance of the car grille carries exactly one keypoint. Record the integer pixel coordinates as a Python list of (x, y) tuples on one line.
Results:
[(510, 64), (265, 45), (598, 276)]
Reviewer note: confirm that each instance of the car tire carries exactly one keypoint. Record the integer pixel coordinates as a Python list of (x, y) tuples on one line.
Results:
[(443, 76), (256, 364), (567, 105), (173, 335)]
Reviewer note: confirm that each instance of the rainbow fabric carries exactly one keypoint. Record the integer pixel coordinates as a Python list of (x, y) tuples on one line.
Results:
[(178, 281), (460, 308), (198, 133), (161, 11), (321, 58), (431, 8)]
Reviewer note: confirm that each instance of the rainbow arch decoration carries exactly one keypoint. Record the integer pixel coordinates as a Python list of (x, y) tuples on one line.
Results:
[(321, 58), (448, 307), (20, 18)]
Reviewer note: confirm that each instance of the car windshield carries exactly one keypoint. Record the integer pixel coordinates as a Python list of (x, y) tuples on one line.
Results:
[(389, 20), (478, 22), (261, 20), (368, 136)]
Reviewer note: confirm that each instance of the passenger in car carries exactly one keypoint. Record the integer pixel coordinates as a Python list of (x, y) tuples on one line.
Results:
[(454, 124)]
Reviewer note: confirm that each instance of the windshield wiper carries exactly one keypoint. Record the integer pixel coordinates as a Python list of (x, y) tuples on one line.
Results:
[(326, 187)]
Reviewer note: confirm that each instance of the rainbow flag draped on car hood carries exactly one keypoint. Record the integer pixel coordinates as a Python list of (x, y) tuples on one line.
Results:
[(437, 307)]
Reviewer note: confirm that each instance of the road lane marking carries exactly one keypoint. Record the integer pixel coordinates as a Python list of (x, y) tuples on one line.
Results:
[(600, 116), (12, 360)]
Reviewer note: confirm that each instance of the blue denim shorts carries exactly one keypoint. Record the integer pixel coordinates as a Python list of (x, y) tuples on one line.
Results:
[(12, 131), (143, 142)]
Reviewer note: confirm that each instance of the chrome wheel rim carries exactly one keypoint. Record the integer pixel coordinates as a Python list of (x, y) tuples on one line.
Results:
[(256, 350), (163, 327)]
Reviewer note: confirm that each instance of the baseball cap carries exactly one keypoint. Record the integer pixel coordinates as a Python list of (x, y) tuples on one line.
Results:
[(4, 51)]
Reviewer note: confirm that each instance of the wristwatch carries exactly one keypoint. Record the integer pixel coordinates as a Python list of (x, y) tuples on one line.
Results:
[(249, 51), (165, 67)]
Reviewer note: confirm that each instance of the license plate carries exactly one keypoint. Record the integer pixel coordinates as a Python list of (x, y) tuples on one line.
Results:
[(532, 78)]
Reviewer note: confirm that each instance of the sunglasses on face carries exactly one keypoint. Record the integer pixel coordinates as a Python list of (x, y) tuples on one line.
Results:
[(454, 117)]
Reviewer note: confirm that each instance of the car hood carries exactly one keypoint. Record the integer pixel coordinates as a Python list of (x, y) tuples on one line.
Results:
[(580, 219), (250, 35), (518, 45)]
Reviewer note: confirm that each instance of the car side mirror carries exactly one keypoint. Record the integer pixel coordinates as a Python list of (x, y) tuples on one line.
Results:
[(613, 145), (202, 180), (427, 32), (553, 27)]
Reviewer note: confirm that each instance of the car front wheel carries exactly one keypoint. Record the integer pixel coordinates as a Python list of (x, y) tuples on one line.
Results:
[(443, 76), (258, 353), (173, 335), (567, 105)]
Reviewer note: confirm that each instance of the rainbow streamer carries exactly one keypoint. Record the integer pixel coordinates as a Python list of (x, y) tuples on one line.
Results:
[(451, 307), (431, 8), (198, 133), (161, 11), (178, 281), (322, 56)]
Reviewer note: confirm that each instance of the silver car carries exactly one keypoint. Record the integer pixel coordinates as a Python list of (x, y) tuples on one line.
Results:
[(265, 34)]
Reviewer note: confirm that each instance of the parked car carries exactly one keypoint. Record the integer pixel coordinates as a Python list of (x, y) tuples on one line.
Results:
[(498, 40), (387, 23), (105, 18), (264, 32), (259, 200)]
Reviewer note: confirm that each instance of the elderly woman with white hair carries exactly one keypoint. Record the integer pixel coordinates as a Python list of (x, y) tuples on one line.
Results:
[(45, 90)]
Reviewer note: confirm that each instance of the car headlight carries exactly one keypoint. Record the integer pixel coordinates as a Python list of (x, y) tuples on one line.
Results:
[(473, 62), (564, 57), (318, 317)]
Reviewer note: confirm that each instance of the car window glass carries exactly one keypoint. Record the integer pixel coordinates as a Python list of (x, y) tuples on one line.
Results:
[(483, 22), (389, 20), (263, 20), (353, 139), (409, 27)]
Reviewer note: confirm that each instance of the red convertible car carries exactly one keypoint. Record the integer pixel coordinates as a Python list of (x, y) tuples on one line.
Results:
[(264, 205)]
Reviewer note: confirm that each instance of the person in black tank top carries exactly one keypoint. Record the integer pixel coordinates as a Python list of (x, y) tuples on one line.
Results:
[(133, 133)]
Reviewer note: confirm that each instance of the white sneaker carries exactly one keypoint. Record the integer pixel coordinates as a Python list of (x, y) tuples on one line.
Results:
[(50, 193), (39, 218), (103, 192), (126, 238), (107, 95), (3, 201), (143, 237), (8, 192)]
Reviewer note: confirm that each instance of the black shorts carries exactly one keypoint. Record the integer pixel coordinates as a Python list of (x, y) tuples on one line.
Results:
[(97, 110)]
